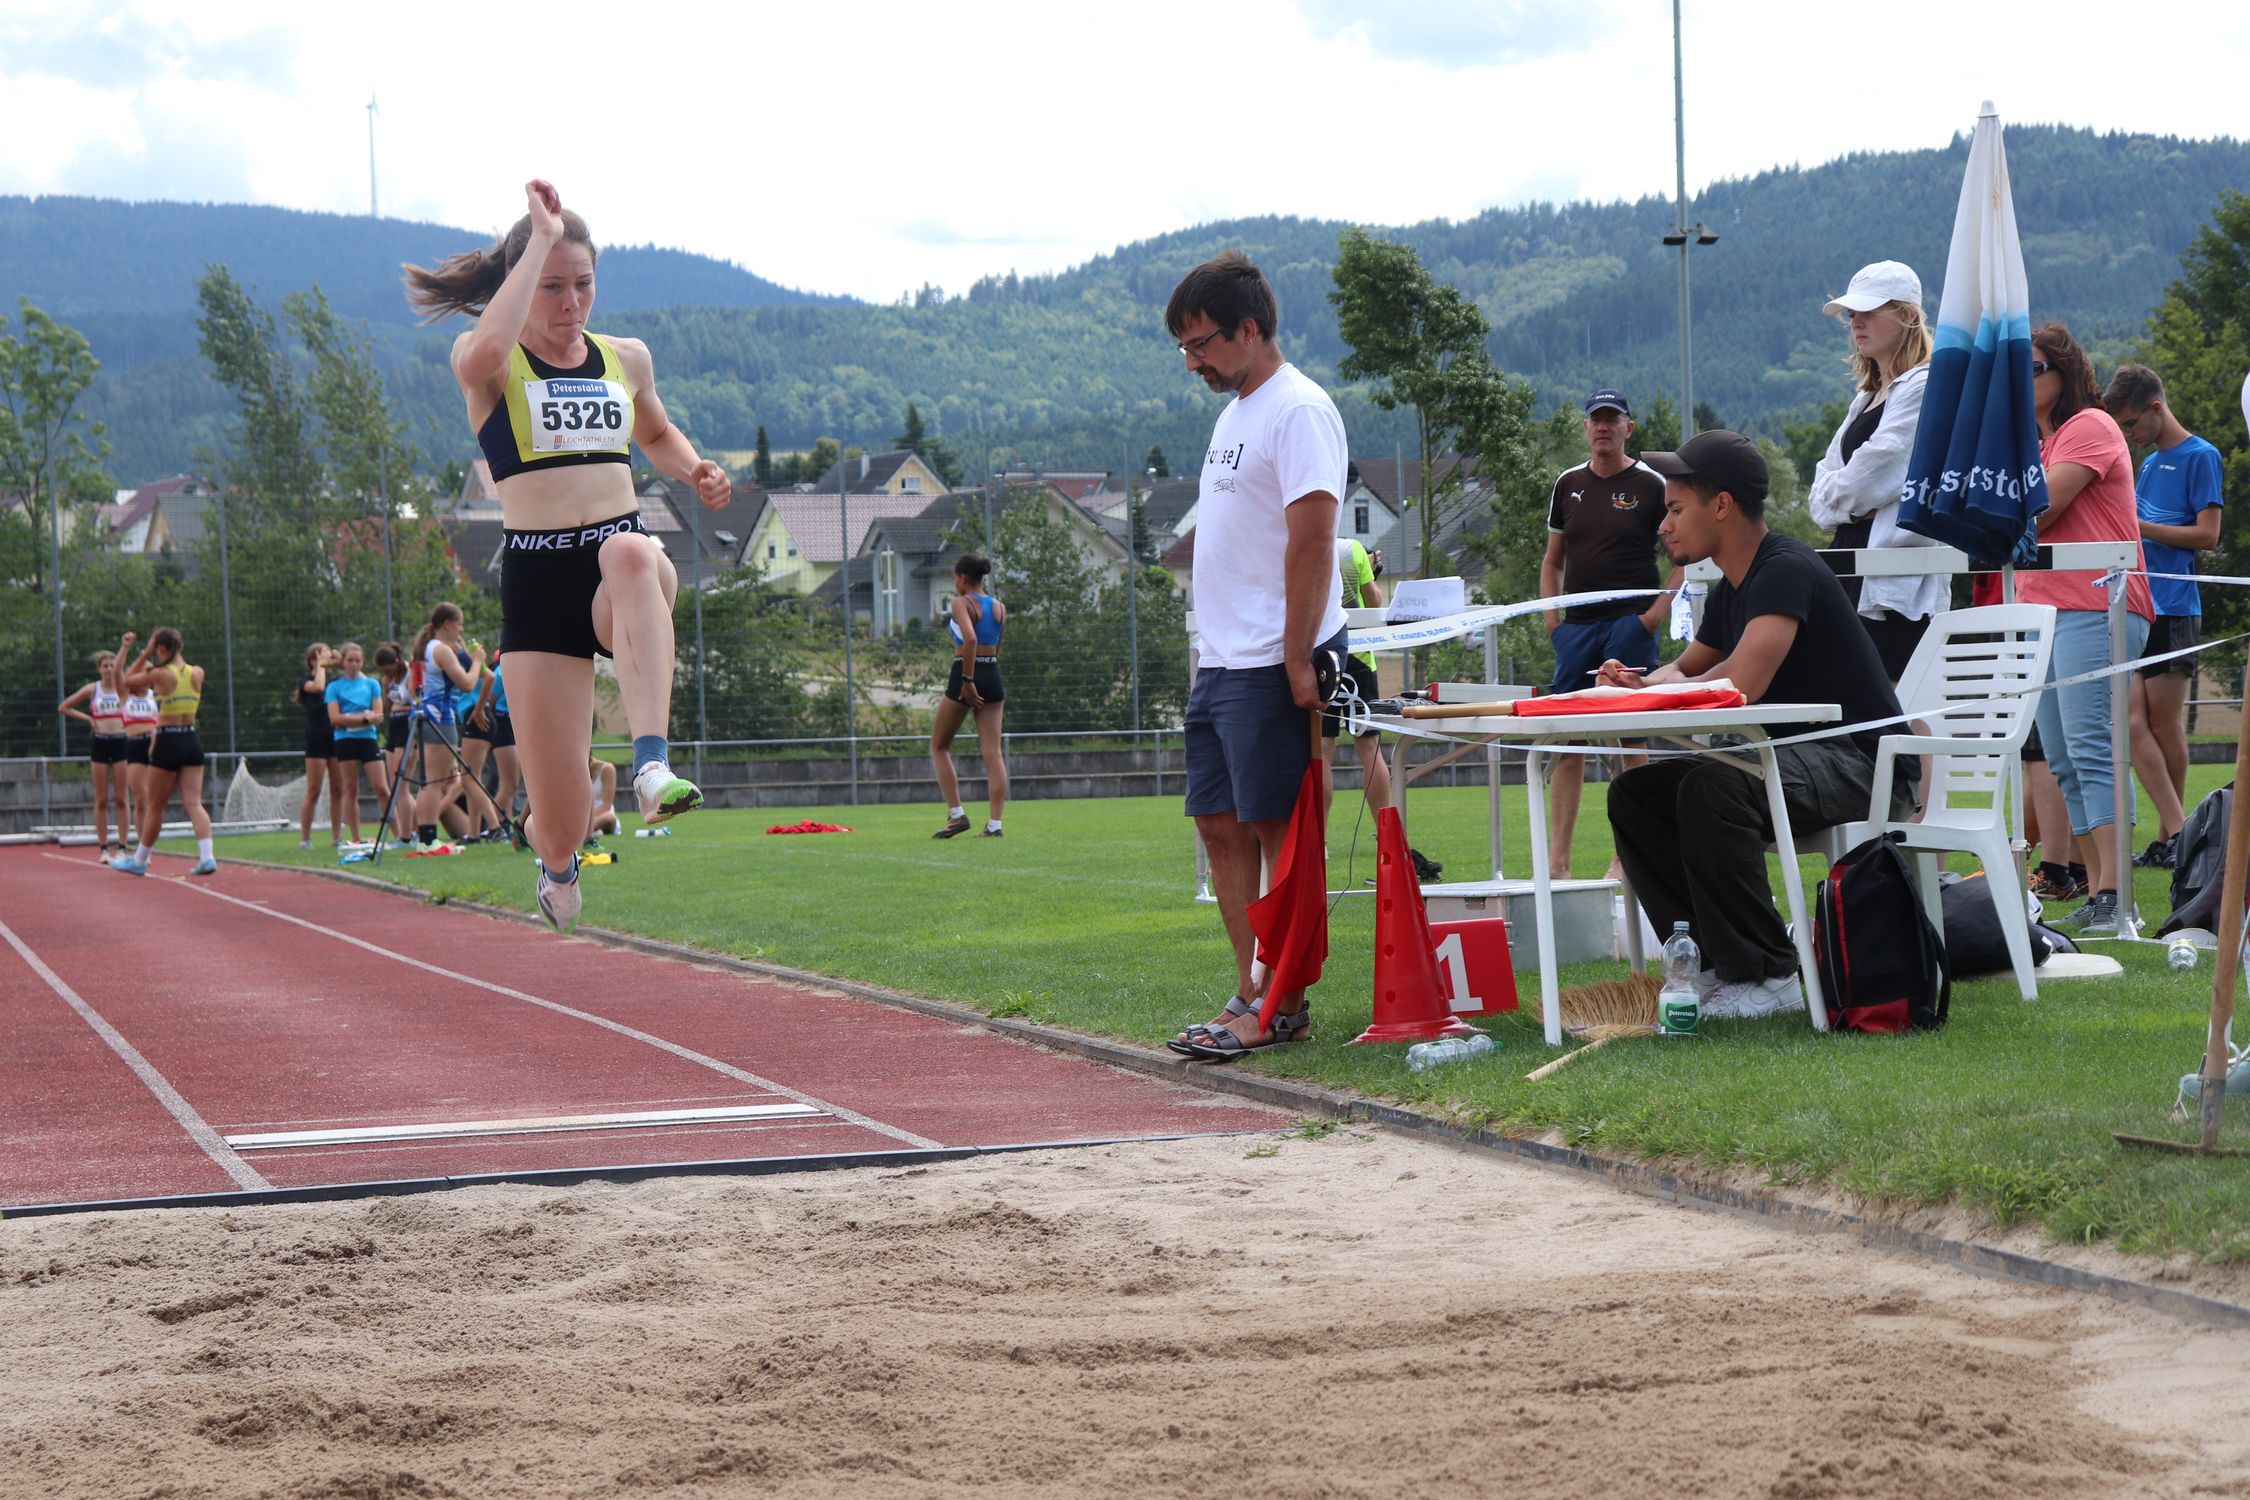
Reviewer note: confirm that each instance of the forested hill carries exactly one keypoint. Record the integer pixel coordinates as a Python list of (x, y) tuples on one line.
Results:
[(1074, 369)]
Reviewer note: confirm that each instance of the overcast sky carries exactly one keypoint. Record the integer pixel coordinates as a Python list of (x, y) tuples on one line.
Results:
[(868, 148)]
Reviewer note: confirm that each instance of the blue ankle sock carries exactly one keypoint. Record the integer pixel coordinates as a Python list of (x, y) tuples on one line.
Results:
[(648, 747)]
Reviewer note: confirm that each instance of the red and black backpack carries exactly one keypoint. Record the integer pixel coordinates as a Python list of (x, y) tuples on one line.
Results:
[(1882, 964)]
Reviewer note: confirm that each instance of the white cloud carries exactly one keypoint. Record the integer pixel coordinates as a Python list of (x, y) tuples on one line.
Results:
[(872, 147)]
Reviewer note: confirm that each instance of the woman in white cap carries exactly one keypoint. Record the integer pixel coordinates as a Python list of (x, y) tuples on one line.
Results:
[(1855, 487)]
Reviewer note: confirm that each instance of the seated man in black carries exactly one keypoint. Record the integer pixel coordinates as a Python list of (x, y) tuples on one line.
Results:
[(1692, 830)]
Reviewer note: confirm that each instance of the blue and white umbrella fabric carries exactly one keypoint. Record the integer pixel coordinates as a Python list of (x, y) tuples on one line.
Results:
[(1976, 481)]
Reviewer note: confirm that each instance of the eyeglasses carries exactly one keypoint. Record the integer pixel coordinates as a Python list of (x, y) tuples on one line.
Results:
[(2040, 367), (1193, 348)]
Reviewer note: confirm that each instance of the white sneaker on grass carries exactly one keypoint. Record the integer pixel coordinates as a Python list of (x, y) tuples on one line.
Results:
[(1749, 1001), (664, 796), (559, 900)]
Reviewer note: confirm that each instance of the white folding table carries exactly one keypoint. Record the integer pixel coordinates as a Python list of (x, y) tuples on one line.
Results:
[(1752, 722)]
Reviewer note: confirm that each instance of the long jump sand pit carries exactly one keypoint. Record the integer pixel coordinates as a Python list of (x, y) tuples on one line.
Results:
[(1359, 1314)]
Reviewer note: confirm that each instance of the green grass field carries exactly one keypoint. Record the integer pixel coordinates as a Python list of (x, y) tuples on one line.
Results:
[(1081, 918)]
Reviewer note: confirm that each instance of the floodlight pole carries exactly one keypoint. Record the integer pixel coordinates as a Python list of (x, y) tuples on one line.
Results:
[(1679, 223), (1682, 233), (851, 716), (54, 586), (383, 493)]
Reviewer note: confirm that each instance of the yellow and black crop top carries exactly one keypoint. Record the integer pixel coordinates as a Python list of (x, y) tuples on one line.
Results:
[(550, 417), (183, 698)]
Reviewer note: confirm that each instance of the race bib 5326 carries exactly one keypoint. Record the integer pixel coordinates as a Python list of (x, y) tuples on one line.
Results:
[(577, 416)]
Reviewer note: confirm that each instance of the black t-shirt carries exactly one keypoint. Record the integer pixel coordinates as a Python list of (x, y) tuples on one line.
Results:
[(1608, 529), (315, 705), (1832, 660)]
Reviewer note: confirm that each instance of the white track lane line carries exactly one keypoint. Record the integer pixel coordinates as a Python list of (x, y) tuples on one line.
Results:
[(685, 1054), (199, 1130)]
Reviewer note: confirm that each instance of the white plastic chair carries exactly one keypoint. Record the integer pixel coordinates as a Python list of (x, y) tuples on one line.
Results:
[(1968, 655)]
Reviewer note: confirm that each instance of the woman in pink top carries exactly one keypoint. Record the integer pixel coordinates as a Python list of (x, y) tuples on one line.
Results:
[(2089, 499)]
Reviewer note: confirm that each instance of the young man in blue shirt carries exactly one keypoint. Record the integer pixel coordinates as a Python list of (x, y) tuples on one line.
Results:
[(2178, 497)]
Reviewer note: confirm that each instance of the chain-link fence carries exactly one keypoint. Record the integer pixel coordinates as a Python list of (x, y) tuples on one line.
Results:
[(856, 654)]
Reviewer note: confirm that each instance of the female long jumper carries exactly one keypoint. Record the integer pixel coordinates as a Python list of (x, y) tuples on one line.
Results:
[(555, 409)]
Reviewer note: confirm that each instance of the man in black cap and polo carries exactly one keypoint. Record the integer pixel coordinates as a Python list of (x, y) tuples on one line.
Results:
[(1692, 830), (1601, 535)]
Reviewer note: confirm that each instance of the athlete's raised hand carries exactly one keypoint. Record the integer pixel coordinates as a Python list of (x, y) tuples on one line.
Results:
[(712, 485), (546, 207)]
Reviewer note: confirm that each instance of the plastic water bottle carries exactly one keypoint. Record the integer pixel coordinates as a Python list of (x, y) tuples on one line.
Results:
[(652, 833), (1679, 1011), (1423, 1056), (2181, 955)]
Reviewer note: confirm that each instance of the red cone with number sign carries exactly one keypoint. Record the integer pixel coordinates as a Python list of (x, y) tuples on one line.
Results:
[(1409, 1002)]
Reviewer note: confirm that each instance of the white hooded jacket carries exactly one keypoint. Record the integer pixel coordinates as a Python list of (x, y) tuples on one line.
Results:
[(1870, 484)]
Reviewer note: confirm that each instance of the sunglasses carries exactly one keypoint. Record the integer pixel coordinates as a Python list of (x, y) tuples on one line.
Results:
[(2040, 367)]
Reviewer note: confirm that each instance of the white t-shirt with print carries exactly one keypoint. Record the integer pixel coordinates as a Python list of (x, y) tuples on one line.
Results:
[(1268, 450)]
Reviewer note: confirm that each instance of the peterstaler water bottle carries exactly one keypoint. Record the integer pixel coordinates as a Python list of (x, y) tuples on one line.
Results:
[(1423, 1056), (2181, 955), (1679, 1011)]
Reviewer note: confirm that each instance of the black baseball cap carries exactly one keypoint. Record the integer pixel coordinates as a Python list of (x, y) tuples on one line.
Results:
[(1721, 459), (1607, 397)]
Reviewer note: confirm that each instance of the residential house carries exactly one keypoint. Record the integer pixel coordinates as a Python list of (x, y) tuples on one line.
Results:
[(797, 540), (1396, 484), (1073, 484), (909, 570), (160, 517), (907, 573), (1165, 504), (901, 473)]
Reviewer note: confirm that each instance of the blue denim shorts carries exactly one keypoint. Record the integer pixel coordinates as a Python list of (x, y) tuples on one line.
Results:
[(1247, 742), (1581, 647)]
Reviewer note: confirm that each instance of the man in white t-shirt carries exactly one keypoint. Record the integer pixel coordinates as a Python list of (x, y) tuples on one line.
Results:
[(1266, 596)]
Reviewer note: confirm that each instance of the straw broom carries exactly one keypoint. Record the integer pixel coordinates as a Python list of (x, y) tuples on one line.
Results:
[(1600, 1013)]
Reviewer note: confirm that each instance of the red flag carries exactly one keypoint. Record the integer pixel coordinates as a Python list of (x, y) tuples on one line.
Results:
[(1291, 918)]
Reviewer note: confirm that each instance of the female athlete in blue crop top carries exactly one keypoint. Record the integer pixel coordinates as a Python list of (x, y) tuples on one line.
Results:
[(556, 409), (972, 687)]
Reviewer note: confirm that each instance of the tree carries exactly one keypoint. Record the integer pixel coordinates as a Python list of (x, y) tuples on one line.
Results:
[(1155, 463), (1707, 417), (1656, 430), (2199, 342), (273, 450), (44, 454), (1426, 343), (825, 455), (1806, 443), (1137, 537), (761, 462), (370, 463), (934, 451)]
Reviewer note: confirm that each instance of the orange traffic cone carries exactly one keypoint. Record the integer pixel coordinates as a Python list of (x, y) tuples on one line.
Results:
[(1409, 1004)]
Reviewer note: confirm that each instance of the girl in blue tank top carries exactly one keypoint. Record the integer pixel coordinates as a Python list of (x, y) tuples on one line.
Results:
[(976, 621)]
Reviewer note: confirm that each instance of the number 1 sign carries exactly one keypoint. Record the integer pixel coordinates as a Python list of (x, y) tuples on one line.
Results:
[(1473, 966)]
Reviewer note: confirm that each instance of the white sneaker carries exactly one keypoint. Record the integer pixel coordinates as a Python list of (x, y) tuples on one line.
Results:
[(559, 901), (664, 796), (1747, 1001)]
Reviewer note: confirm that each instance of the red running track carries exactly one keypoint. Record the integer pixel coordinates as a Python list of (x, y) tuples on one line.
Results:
[(144, 1021)]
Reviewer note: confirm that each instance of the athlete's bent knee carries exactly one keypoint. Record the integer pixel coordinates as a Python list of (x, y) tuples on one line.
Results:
[(630, 556)]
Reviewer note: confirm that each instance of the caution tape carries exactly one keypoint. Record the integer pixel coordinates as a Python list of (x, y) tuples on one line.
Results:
[(1448, 627)]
